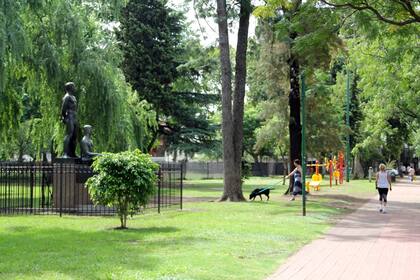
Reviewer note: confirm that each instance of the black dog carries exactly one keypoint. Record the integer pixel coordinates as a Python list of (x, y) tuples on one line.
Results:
[(265, 191)]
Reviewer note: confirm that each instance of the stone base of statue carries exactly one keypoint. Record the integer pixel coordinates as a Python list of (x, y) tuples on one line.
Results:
[(69, 178)]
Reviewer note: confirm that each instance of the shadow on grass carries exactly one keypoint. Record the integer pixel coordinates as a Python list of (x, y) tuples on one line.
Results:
[(342, 197), (144, 230), (33, 252), (216, 190)]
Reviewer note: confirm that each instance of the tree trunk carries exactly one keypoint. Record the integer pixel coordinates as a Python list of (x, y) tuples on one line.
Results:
[(295, 127), (227, 123), (152, 140), (232, 124), (239, 93), (122, 208), (285, 171), (122, 221), (358, 172)]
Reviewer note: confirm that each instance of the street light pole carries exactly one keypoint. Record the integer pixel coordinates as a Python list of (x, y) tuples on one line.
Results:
[(303, 144), (348, 126)]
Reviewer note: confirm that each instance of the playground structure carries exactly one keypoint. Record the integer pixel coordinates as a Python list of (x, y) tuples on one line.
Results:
[(335, 168)]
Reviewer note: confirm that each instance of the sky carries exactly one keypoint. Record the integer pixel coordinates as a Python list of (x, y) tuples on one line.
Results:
[(209, 34)]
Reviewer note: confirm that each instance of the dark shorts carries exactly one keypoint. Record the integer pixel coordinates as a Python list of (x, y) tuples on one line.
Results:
[(383, 192)]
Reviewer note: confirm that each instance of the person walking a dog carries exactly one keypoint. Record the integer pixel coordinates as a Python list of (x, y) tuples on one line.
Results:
[(383, 183), (297, 179)]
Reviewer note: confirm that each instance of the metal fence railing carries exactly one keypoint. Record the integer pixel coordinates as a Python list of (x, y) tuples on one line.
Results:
[(59, 188)]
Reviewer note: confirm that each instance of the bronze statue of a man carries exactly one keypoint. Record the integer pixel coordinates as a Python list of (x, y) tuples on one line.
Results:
[(69, 118)]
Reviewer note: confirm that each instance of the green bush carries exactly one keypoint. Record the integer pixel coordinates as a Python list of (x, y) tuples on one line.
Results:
[(123, 180)]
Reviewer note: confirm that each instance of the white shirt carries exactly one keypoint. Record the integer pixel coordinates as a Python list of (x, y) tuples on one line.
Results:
[(383, 180)]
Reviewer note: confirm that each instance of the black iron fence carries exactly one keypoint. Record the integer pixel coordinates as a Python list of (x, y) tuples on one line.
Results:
[(59, 188)]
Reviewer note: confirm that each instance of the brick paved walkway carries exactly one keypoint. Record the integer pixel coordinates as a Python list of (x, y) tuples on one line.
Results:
[(366, 244)]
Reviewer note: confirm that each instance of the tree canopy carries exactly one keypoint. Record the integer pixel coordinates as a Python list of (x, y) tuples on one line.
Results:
[(144, 78)]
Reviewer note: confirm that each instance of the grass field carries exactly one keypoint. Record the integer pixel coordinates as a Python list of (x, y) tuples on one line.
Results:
[(214, 187), (207, 240)]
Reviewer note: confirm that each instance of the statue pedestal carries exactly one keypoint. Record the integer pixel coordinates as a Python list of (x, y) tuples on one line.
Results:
[(69, 178)]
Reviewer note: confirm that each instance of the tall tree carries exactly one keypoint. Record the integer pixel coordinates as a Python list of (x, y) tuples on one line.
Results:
[(269, 93), (233, 100), (153, 43), (149, 39), (13, 44), (310, 33)]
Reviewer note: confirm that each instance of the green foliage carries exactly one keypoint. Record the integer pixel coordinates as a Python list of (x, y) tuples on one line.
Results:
[(149, 39), (388, 83), (50, 44), (169, 68), (391, 164), (124, 180), (416, 141), (317, 38), (325, 122), (269, 91), (252, 125), (268, 85), (12, 45), (309, 31), (394, 12)]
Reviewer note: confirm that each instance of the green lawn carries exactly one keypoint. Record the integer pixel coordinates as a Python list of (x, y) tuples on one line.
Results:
[(207, 240), (214, 187)]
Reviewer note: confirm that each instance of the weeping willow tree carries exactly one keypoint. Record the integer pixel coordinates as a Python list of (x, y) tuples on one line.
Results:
[(42, 46), (12, 46)]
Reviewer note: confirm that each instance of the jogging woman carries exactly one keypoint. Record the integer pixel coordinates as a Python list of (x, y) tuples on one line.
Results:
[(383, 183)]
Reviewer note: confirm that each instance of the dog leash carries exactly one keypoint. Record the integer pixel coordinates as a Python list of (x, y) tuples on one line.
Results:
[(270, 187)]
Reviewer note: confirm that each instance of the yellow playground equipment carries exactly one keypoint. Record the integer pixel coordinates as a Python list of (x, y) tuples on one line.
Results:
[(334, 167), (316, 178)]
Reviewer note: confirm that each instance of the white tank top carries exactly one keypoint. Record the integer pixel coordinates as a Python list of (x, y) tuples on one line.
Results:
[(383, 179)]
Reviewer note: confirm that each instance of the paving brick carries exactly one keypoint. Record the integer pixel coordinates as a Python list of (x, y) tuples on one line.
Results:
[(365, 244)]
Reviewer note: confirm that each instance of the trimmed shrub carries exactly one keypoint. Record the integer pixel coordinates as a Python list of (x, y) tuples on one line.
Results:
[(125, 180)]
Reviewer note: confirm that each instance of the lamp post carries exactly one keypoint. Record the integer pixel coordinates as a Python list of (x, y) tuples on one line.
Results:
[(303, 144), (348, 126)]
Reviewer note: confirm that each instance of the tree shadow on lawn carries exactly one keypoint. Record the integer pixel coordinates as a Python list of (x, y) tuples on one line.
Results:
[(342, 201), (144, 230), (32, 252), (320, 204)]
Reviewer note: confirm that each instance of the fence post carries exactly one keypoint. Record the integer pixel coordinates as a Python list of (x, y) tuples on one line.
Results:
[(61, 188), (31, 202), (182, 174), (159, 186)]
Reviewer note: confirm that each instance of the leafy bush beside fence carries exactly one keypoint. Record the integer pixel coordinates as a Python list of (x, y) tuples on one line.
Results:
[(124, 180)]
